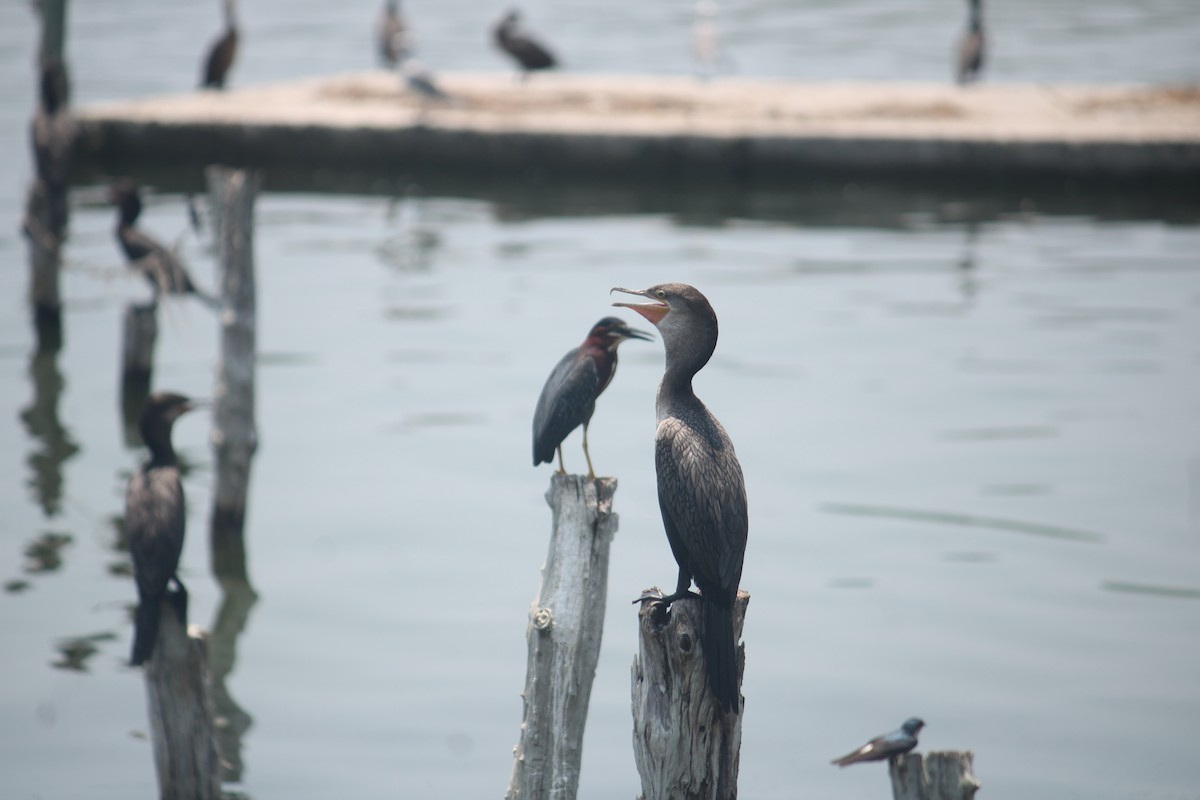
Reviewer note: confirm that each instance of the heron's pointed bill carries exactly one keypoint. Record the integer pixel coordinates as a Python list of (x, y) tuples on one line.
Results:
[(654, 311)]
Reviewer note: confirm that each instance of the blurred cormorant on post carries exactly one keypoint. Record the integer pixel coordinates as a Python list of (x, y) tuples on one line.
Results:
[(421, 80), (971, 48), (526, 50), (154, 521), (701, 491), (52, 135), (392, 35), (887, 746), (162, 268), (568, 399), (222, 53)]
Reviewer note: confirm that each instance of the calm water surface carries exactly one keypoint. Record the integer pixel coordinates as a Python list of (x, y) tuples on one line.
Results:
[(969, 430)]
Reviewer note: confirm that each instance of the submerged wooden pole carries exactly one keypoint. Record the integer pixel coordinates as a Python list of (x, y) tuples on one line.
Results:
[(235, 433), (939, 775), (181, 714), (566, 621), (684, 745)]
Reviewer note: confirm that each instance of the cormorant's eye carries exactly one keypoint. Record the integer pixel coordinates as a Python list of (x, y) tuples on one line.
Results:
[(660, 294)]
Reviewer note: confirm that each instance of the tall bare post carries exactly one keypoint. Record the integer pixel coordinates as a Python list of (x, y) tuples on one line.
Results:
[(938, 775), (53, 135), (235, 434), (181, 716), (566, 621), (684, 746)]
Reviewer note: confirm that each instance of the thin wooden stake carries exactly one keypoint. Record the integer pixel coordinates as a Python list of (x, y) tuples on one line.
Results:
[(235, 433), (684, 746), (566, 621)]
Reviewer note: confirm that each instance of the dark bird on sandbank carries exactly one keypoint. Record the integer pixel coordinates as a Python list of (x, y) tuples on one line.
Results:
[(701, 491), (222, 53), (569, 397), (392, 35), (971, 47), (422, 82), (161, 268), (529, 53), (885, 747), (155, 520)]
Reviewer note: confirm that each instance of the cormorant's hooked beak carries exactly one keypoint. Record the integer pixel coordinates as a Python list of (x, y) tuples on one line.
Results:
[(654, 311)]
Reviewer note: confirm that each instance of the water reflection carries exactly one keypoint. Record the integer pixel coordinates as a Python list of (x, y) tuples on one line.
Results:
[(41, 421), (75, 651)]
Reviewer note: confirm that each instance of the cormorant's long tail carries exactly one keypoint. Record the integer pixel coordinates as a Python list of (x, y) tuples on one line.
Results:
[(145, 632), (720, 654)]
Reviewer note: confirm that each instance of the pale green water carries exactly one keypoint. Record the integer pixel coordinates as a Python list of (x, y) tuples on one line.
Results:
[(970, 437)]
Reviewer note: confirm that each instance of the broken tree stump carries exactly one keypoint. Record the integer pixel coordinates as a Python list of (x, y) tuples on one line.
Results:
[(181, 714), (939, 775), (685, 747), (566, 621)]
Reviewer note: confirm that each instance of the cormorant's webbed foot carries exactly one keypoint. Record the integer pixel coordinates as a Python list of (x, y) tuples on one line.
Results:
[(655, 595)]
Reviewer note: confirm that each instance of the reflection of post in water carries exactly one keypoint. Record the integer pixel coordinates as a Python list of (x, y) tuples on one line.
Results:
[(42, 423), (140, 332), (53, 133), (968, 279), (235, 438)]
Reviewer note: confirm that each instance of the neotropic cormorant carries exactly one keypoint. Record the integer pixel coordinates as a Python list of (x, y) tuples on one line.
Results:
[(155, 520), (161, 267), (971, 48), (701, 491), (221, 54), (528, 52), (888, 746), (392, 35), (569, 397)]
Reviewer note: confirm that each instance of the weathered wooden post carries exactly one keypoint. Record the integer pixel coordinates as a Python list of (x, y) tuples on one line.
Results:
[(235, 434), (684, 746), (53, 135), (939, 775), (566, 621), (181, 716), (139, 334)]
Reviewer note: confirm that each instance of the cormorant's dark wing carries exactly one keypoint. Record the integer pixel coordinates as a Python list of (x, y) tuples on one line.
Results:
[(154, 522), (567, 401), (702, 495), (220, 59), (161, 266), (531, 53), (137, 244)]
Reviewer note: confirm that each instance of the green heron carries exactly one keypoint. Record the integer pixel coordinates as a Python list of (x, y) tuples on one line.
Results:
[(162, 268), (221, 54), (155, 519), (569, 396), (527, 51), (701, 491), (970, 49)]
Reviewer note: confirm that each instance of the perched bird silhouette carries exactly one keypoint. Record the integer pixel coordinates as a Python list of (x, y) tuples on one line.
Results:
[(971, 47), (155, 520), (569, 397), (524, 48), (888, 746), (222, 53), (701, 491), (52, 134), (161, 268), (421, 80), (392, 34)]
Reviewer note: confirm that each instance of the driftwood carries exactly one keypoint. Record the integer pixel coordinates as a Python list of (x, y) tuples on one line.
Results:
[(684, 746), (939, 775), (181, 715), (565, 625), (235, 434)]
